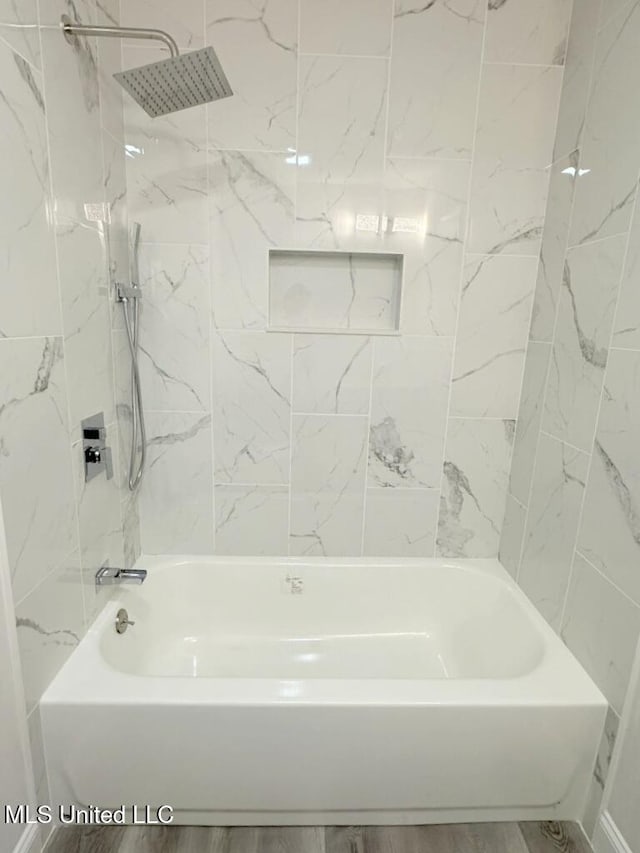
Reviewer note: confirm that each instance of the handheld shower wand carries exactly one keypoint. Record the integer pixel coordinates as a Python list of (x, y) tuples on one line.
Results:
[(129, 297)]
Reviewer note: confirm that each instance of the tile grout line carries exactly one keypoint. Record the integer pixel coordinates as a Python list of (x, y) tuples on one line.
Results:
[(291, 418), (298, 95), (53, 226), (528, 341), (462, 275), (607, 579), (212, 331), (365, 503)]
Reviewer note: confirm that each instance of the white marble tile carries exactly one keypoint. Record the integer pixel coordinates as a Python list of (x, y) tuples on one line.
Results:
[(585, 317), (350, 147), (50, 626), (29, 295), (610, 530), (514, 143), (117, 208), (600, 772), (626, 328), (110, 62), (250, 210), (434, 77), (252, 520), (517, 111), (529, 419), (166, 166), (327, 291), (401, 522), (577, 76), (429, 196), (331, 374), (554, 513), (73, 112), (421, 210), (129, 511), (176, 495), (507, 209), (86, 320), (184, 21), (175, 362), (612, 9), (327, 213), (51, 10), (257, 46), (495, 309), (474, 487), (327, 485), (40, 523), (554, 247), (19, 28), (99, 523), (611, 145), (408, 411), (512, 536), (251, 407), (601, 627), (122, 399), (359, 27), (520, 31)]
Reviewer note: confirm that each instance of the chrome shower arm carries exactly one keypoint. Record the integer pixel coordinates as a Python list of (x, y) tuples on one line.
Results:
[(71, 29)]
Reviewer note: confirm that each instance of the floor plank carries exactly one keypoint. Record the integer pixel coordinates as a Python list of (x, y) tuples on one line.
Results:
[(275, 839), (86, 839), (165, 839), (549, 837), (446, 838), (553, 837)]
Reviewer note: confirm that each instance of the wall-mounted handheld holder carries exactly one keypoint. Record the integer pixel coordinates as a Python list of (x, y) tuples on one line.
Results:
[(97, 456)]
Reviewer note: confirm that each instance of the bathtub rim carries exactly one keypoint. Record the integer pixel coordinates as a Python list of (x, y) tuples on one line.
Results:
[(557, 681)]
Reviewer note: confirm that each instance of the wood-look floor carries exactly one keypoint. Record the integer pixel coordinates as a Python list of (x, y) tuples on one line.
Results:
[(453, 838)]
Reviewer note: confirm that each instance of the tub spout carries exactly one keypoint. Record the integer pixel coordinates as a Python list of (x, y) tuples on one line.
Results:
[(108, 575)]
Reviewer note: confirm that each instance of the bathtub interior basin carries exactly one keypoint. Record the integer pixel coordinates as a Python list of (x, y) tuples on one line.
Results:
[(324, 621), (264, 691)]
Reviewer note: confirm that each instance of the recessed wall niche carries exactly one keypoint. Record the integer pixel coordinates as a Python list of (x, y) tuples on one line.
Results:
[(347, 292)]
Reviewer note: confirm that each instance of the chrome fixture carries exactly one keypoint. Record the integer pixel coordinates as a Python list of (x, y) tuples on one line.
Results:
[(107, 576), (122, 621), (129, 296), (97, 456), (169, 85)]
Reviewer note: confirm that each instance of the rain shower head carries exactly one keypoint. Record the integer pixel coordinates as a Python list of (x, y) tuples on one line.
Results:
[(177, 83), (173, 84)]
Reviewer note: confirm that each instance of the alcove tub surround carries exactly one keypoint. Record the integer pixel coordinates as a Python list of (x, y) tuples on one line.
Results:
[(439, 120)]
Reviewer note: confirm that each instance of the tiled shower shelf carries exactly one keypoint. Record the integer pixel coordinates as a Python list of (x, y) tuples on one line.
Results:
[(338, 292)]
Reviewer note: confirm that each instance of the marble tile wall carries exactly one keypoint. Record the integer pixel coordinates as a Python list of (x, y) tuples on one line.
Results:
[(571, 534), (63, 219), (441, 116)]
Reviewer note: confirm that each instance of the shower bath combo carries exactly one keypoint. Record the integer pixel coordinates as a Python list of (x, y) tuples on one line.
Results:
[(182, 81)]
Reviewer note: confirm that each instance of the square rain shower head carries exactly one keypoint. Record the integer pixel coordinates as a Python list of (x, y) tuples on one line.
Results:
[(177, 83)]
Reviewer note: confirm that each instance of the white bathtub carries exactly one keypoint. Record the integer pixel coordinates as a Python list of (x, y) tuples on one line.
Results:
[(256, 691)]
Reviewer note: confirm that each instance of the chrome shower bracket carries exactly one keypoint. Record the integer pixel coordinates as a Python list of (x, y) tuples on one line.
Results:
[(71, 29), (125, 292)]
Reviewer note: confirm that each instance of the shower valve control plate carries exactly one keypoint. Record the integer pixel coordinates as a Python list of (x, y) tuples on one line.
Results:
[(97, 456)]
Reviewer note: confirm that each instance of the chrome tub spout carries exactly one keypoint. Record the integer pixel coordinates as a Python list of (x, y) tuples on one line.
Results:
[(108, 575)]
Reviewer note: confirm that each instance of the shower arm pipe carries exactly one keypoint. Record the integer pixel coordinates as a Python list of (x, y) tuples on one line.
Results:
[(71, 29)]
